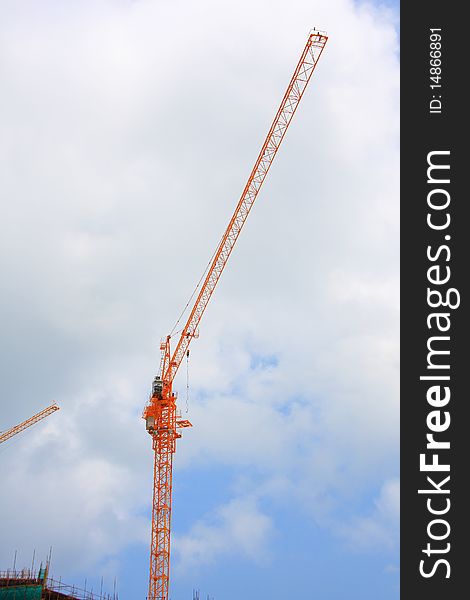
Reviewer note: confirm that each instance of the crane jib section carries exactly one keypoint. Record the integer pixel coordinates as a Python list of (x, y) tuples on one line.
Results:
[(289, 104), (6, 435)]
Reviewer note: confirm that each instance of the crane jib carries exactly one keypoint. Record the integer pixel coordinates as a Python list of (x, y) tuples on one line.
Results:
[(281, 122)]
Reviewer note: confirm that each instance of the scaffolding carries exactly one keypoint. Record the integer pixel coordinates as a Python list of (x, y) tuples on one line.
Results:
[(27, 584)]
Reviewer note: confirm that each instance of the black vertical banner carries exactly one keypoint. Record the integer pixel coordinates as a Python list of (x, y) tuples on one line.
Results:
[(435, 240)]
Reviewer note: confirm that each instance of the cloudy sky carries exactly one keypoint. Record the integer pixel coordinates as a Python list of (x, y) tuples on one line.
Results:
[(128, 129)]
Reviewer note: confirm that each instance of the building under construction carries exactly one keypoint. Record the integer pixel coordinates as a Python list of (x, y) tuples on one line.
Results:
[(36, 585)]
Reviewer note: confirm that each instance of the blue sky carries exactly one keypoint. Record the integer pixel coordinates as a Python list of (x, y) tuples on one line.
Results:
[(129, 131)]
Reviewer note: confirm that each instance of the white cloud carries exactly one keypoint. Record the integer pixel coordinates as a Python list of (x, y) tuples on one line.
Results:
[(81, 489), (380, 528), (128, 132), (238, 527)]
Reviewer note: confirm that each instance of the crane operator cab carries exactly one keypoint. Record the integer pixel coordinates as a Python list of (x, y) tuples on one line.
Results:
[(157, 387), (157, 391)]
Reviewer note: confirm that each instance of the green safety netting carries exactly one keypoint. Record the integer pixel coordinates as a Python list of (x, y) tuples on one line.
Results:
[(21, 592)]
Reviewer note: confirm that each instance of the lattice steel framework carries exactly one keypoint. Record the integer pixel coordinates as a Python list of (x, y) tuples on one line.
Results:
[(6, 435), (160, 412)]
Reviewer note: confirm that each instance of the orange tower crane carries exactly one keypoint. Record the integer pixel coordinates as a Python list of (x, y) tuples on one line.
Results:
[(162, 422), (6, 435)]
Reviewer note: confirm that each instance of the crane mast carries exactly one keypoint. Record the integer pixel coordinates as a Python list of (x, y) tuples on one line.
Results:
[(160, 414), (6, 435)]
